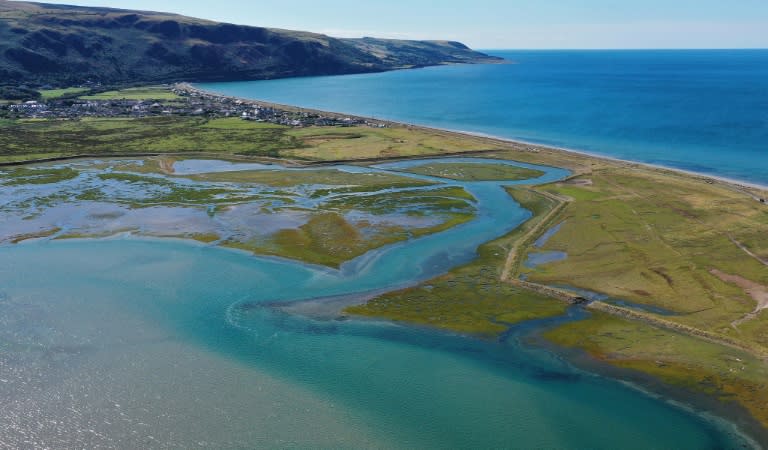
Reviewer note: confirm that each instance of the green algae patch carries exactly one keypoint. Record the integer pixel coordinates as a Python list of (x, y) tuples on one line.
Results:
[(680, 360), (25, 175), (475, 171)]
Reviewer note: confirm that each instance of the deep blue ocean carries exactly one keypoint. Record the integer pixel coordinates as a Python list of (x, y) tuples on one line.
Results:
[(699, 110)]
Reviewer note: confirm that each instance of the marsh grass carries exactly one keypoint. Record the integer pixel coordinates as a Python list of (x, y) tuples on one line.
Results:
[(677, 359), (653, 239), (105, 136), (472, 299), (343, 143), (354, 182), (475, 171), (24, 175), (328, 238)]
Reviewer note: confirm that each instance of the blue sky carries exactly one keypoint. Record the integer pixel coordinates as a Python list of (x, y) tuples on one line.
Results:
[(497, 24)]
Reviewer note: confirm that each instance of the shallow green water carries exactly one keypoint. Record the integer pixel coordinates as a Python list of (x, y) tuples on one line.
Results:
[(132, 342)]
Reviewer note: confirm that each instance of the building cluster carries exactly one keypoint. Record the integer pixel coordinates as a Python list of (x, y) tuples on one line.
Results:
[(191, 102), (223, 106), (74, 109)]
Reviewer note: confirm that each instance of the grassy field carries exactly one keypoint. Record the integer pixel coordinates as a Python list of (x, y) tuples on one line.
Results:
[(655, 238), (19, 158), (475, 172), (97, 136), (337, 143), (28, 139), (141, 93), (683, 361), (52, 94)]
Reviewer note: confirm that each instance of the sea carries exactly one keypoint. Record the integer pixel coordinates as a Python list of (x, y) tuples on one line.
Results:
[(704, 111)]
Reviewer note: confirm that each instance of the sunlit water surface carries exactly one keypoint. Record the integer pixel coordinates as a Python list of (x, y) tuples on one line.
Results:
[(133, 343)]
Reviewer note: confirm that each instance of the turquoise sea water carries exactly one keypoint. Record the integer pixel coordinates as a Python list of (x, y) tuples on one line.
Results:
[(704, 111), (159, 343)]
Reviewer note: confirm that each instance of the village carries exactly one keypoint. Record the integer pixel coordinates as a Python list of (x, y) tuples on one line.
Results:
[(188, 101)]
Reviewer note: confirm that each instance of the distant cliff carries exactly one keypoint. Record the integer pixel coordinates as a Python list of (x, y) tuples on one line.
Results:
[(67, 45)]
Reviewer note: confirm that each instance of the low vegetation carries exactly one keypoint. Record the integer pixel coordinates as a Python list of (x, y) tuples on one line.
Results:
[(330, 238), (652, 237), (327, 239), (690, 247), (52, 94), (322, 177), (472, 299), (476, 171), (349, 143), (36, 139), (655, 239), (725, 373), (109, 136), (24, 175), (141, 93)]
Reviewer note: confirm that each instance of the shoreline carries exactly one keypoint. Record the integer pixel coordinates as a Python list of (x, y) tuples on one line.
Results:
[(745, 422), (476, 152), (731, 416), (740, 185), (704, 176)]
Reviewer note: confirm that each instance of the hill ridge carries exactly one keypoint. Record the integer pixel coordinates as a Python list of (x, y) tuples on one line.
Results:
[(67, 45)]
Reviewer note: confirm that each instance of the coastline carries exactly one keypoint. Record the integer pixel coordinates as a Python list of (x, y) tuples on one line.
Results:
[(580, 162), (581, 159), (703, 176), (529, 146)]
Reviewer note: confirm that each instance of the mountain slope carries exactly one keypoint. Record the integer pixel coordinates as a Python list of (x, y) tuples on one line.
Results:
[(64, 45)]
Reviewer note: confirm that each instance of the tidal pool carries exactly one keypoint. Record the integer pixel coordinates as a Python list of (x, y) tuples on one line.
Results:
[(138, 342)]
